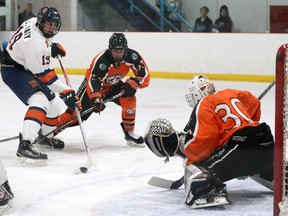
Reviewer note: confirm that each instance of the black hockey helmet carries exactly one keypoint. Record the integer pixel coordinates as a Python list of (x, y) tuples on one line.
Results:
[(118, 41), (49, 14)]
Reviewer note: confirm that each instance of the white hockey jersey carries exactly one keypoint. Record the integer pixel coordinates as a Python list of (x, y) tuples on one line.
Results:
[(28, 47)]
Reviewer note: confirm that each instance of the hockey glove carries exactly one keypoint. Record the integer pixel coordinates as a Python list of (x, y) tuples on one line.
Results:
[(57, 50), (130, 87), (71, 99), (96, 99)]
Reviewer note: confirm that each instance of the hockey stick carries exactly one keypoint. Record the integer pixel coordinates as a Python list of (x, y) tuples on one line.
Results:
[(165, 183), (170, 184), (67, 123), (89, 163), (266, 90)]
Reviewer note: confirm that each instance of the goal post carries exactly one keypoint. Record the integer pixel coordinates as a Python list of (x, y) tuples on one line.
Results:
[(281, 133)]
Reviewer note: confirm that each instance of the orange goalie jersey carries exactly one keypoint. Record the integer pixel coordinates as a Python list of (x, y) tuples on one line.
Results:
[(216, 118)]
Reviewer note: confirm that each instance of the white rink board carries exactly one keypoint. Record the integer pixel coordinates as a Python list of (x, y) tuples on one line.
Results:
[(236, 53)]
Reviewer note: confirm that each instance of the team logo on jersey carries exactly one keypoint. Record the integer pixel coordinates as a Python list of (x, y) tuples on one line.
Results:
[(130, 111), (134, 56), (33, 83), (102, 66), (113, 79)]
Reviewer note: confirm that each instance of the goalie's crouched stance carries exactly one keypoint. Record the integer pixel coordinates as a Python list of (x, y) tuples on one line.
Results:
[(249, 152)]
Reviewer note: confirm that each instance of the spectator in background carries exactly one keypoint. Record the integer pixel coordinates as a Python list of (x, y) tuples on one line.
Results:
[(224, 22), (203, 23), (26, 14)]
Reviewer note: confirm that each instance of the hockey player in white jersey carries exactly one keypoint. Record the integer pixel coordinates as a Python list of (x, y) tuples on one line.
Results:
[(28, 72)]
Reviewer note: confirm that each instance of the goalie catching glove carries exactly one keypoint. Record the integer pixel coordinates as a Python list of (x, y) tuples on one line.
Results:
[(130, 87), (57, 50), (98, 104), (163, 140), (70, 99)]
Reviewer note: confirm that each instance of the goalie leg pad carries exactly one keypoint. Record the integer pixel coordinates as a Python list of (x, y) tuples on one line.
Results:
[(203, 188)]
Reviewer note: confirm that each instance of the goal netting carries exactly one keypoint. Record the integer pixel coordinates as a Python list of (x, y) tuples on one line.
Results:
[(281, 133)]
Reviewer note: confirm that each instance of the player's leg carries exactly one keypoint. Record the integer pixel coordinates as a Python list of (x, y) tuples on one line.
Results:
[(253, 155), (49, 125), (34, 118), (28, 90), (6, 194), (128, 115), (128, 122), (203, 188)]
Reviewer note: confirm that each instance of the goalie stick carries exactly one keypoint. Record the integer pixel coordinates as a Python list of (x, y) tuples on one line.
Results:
[(176, 184), (165, 183)]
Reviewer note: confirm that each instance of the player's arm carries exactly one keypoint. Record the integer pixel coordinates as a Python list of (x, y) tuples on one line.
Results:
[(204, 134), (141, 72), (140, 69), (95, 76), (251, 103)]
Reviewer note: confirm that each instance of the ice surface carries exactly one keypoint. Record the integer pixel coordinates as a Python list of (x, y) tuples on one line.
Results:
[(117, 185)]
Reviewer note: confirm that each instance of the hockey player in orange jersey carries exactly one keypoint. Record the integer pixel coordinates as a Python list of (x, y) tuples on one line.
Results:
[(104, 80), (223, 140)]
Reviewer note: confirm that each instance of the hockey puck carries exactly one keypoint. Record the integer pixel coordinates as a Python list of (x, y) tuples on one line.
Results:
[(83, 169)]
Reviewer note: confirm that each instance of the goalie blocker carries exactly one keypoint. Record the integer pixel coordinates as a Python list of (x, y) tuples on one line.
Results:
[(249, 152)]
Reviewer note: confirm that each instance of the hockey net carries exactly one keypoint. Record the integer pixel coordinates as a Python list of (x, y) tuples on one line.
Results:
[(281, 133)]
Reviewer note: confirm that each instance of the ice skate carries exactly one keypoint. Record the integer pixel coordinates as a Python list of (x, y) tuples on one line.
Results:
[(6, 196), (216, 197), (27, 150), (50, 142), (132, 139)]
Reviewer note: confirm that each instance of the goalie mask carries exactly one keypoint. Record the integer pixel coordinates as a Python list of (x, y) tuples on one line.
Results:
[(162, 139), (199, 87)]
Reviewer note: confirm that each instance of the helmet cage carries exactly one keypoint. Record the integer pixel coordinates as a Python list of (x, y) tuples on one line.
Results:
[(199, 88)]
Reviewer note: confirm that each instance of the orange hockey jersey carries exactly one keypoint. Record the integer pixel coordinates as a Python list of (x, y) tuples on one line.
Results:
[(216, 118), (104, 73)]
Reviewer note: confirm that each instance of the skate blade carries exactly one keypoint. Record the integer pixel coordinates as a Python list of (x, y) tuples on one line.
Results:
[(219, 201), (133, 144), (22, 161)]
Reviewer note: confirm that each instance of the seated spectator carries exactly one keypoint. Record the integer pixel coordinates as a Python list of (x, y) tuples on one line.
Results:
[(203, 23), (26, 14), (224, 22)]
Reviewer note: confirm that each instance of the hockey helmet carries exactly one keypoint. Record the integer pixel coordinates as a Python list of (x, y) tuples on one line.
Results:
[(199, 87), (118, 41), (49, 14)]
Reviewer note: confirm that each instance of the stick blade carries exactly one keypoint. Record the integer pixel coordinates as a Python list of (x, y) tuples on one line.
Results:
[(85, 167), (160, 182)]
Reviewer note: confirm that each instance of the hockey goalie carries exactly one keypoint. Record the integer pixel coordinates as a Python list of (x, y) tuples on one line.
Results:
[(223, 140)]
